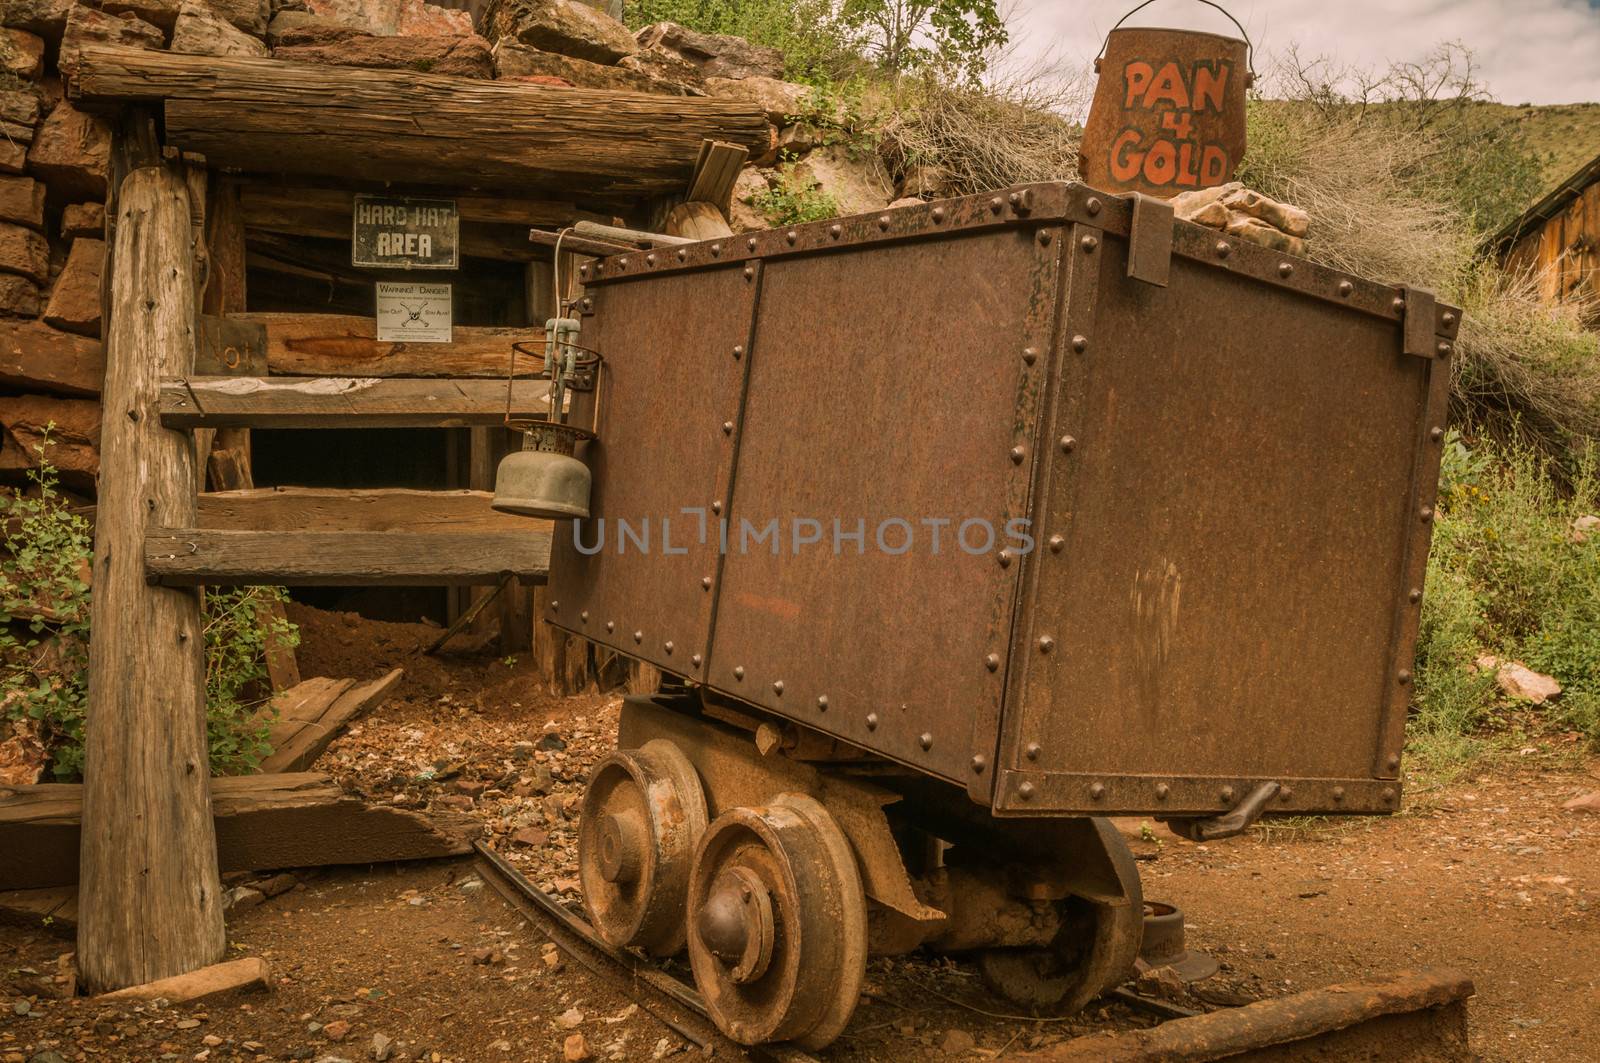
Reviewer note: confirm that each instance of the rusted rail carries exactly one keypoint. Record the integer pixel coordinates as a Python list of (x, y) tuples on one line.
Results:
[(676, 1005)]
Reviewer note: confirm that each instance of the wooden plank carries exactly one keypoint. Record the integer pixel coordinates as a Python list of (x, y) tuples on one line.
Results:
[(262, 822), (326, 214), (345, 345), (191, 556), (715, 174), (308, 722), (331, 509), (152, 899), (35, 357), (349, 122), (263, 199), (345, 402)]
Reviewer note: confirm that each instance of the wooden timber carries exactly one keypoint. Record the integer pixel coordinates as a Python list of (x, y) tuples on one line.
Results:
[(346, 345), (311, 714), (345, 402), (151, 896), (331, 509), (35, 357), (262, 822), (348, 122), (178, 557)]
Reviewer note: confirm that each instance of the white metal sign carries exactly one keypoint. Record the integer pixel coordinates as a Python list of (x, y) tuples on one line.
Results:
[(413, 312)]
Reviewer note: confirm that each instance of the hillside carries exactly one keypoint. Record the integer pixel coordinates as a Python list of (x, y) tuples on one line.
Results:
[(1564, 135)]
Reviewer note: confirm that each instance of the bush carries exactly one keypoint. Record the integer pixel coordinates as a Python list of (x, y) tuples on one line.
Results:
[(792, 201), (1509, 577), (45, 555)]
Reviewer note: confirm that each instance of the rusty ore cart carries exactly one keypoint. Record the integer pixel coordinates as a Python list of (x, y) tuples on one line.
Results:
[(1225, 460)]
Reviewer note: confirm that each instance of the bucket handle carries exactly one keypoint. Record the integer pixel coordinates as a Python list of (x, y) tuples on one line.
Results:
[(1249, 46)]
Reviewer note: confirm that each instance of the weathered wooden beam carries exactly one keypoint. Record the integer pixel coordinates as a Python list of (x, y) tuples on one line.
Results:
[(331, 509), (311, 714), (345, 402), (262, 822), (179, 557), (263, 199), (347, 122), (35, 357), (151, 896), (346, 345)]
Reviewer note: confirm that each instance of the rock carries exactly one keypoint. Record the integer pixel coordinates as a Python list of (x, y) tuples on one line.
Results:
[(743, 215), (13, 156), (1281, 216), (518, 61), (1584, 526), (302, 27), (21, 53), (19, 114), (907, 201), (459, 802), (550, 956), (467, 57), (248, 15), (857, 185), (957, 1042), (1589, 802), (240, 898), (162, 13), (71, 153), (75, 300), (337, 1030), (563, 26), (1257, 231), (22, 201), (780, 99), (1517, 680), (570, 1018), (532, 837), (83, 219), (25, 253), (277, 884), (715, 54), (45, 18), (200, 32), (1212, 215), (88, 28), (925, 181), (668, 71), (1186, 204), (575, 1049), (19, 297), (382, 1047), (550, 742), (389, 18), (211, 1040), (488, 957)]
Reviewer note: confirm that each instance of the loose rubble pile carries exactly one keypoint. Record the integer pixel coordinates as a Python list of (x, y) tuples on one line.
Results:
[(1238, 211)]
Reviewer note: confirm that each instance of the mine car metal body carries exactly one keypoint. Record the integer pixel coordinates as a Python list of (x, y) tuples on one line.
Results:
[(1224, 461)]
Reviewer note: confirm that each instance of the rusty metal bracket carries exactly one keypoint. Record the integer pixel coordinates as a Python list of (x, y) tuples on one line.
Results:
[(1150, 239), (1419, 323), (1229, 824)]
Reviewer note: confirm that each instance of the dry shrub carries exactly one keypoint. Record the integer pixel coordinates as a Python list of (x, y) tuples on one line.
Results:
[(978, 139)]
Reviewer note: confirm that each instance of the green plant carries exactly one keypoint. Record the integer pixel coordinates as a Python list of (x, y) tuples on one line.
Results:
[(792, 200), (45, 554), (817, 46)]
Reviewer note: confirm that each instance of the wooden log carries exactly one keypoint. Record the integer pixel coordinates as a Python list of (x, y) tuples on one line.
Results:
[(250, 972), (345, 402), (152, 899), (34, 357), (311, 715), (262, 822), (190, 556), (425, 128), (345, 345), (331, 509), (262, 198)]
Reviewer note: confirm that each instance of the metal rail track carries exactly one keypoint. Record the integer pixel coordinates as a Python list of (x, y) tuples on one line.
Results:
[(676, 1004)]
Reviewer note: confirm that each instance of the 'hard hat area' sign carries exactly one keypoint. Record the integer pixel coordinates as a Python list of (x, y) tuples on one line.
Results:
[(393, 232)]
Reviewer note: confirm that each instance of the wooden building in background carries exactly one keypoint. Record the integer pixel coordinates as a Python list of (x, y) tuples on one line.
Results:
[(1558, 239)]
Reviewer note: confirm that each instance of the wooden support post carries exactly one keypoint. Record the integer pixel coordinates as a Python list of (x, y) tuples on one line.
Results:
[(225, 293), (151, 904)]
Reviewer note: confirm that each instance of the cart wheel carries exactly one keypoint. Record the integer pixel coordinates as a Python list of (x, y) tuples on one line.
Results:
[(643, 814), (1093, 952), (778, 923)]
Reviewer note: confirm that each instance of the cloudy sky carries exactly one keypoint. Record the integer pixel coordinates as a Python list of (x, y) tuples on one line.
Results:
[(1530, 51)]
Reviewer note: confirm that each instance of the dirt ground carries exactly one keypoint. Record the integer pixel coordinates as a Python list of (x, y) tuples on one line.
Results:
[(1485, 874)]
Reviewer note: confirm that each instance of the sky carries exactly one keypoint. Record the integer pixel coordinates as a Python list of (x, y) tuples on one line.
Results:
[(1529, 51)]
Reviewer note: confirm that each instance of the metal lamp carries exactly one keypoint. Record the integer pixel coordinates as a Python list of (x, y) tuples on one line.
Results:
[(544, 478)]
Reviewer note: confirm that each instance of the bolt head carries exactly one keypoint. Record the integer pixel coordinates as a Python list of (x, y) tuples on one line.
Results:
[(705, 582), (584, 616), (978, 763), (716, 250), (1403, 676), (937, 214), (995, 205), (1080, 343), (835, 231), (1425, 513), (727, 428), (1226, 795), (777, 687), (749, 272), (738, 351), (1056, 543), (1285, 268), (883, 221), (1223, 248), (1067, 443), (872, 721), (1030, 355), (992, 662), (1448, 318), (638, 636), (822, 703), (650, 260), (1092, 205), (1032, 752), (925, 740), (1017, 454), (1346, 288), (1436, 434), (668, 647), (1393, 761), (695, 660), (1162, 790), (1003, 558), (750, 243), (1046, 643), (716, 507), (1388, 795), (1445, 349), (1025, 791), (791, 236), (738, 671), (1416, 594), (1338, 793), (1399, 302), (683, 254), (1088, 243), (611, 625), (1097, 790)]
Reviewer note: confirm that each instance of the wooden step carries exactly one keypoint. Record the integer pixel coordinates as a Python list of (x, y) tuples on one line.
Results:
[(345, 402), (178, 557)]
